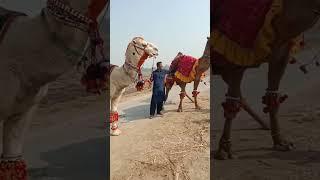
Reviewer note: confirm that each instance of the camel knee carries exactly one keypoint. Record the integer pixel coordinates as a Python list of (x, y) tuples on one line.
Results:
[(195, 93), (231, 107), (272, 100)]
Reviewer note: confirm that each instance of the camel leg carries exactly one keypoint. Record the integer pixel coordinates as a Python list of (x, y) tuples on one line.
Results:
[(195, 90), (182, 95), (189, 98), (272, 98), (114, 116), (12, 166), (14, 130), (231, 107), (253, 114)]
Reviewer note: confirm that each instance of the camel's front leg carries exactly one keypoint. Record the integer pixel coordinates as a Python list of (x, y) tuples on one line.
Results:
[(231, 108), (182, 95), (12, 165), (195, 91), (273, 99), (114, 115)]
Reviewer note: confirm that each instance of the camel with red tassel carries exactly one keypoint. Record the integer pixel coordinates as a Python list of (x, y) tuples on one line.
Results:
[(137, 52), (34, 52), (193, 71), (269, 33)]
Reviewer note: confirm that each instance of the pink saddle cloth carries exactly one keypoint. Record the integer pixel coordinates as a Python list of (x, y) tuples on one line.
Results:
[(185, 64), (241, 20)]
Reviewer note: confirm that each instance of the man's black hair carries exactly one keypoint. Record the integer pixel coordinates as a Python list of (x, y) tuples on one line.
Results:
[(158, 63)]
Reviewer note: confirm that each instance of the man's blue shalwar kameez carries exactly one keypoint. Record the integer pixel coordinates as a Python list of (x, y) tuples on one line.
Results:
[(158, 92)]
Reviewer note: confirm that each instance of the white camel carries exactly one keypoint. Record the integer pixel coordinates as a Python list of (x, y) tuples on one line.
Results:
[(137, 52), (34, 52)]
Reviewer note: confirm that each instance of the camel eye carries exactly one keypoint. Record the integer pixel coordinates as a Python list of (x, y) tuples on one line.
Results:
[(133, 53)]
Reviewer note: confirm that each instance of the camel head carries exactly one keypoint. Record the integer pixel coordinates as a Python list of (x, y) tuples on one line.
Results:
[(139, 50)]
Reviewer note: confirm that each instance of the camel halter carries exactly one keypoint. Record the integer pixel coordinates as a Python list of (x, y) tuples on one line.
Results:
[(137, 68), (73, 18), (69, 16)]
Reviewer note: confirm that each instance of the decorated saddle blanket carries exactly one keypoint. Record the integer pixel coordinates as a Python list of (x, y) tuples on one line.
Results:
[(184, 68), (243, 32), (6, 18)]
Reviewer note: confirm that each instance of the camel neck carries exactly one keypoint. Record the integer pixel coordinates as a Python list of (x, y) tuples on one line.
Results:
[(131, 73)]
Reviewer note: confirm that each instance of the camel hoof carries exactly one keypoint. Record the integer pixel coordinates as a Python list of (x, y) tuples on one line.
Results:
[(224, 151), (198, 108), (115, 132), (179, 110), (284, 146)]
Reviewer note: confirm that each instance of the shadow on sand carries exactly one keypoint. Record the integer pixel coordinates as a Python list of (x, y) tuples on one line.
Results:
[(81, 161), (299, 157), (136, 112)]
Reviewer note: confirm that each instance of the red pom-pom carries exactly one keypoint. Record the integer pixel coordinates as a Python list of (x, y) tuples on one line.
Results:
[(13, 170)]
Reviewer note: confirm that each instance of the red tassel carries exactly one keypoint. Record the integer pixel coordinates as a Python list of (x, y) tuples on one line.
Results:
[(195, 93), (95, 7), (114, 116), (13, 170)]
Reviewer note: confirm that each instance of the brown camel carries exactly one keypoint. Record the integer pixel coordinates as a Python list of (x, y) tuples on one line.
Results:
[(203, 66), (295, 17)]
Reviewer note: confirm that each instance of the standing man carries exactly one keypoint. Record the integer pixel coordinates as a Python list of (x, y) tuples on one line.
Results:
[(158, 92)]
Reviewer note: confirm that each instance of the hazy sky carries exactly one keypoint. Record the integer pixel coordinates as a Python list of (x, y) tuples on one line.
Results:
[(172, 25)]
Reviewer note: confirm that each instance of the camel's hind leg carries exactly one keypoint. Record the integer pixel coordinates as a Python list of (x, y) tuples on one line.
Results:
[(231, 108), (272, 99), (182, 95), (114, 129), (195, 90)]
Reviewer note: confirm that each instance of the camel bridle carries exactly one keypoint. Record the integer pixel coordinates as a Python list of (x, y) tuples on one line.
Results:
[(68, 16), (137, 68)]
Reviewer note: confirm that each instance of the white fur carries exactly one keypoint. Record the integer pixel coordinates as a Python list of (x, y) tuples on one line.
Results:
[(122, 77), (29, 61)]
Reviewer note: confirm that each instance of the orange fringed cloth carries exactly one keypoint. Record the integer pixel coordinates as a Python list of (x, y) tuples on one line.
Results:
[(185, 68), (243, 32)]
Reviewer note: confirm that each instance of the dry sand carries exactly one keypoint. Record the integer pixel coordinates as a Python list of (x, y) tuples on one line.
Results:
[(175, 146)]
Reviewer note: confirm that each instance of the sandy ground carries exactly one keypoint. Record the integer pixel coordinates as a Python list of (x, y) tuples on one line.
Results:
[(300, 121), (175, 146)]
